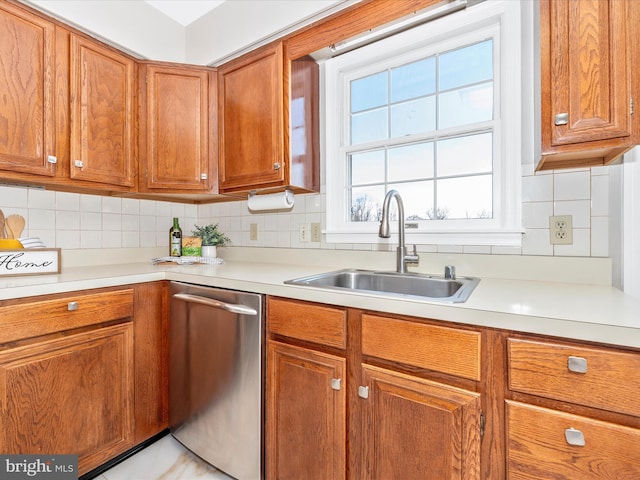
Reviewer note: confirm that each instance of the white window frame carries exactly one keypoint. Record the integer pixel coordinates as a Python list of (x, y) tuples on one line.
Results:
[(499, 18)]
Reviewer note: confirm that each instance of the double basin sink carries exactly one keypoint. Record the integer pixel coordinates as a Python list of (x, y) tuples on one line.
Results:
[(409, 285)]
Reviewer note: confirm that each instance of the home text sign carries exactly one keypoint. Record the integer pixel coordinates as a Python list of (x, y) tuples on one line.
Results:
[(35, 261)]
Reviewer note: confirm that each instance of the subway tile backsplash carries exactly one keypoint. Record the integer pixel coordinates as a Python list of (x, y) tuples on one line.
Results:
[(72, 221)]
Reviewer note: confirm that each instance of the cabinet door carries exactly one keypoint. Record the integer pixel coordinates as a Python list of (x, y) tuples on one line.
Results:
[(544, 443), (306, 414), (70, 395), (27, 48), (251, 121), (102, 114), (178, 129), (586, 74), (420, 428), (151, 326)]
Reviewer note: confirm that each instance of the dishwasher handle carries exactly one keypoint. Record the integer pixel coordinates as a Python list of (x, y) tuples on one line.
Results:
[(210, 302)]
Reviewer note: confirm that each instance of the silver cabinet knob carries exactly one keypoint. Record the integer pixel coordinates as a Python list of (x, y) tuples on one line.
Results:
[(363, 392), (78, 163), (577, 364), (276, 166), (52, 159), (574, 437), (203, 176), (336, 383), (71, 306), (561, 119)]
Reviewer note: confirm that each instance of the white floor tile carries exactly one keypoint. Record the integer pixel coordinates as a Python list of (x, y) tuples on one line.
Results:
[(166, 459)]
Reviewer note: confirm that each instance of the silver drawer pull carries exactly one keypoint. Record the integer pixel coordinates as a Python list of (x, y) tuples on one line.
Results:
[(363, 392), (574, 437), (71, 306), (78, 163), (336, 383), (577, 364), (561, 119)]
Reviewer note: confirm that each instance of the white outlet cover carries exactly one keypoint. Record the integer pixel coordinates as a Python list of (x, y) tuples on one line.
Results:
[(561, 230)]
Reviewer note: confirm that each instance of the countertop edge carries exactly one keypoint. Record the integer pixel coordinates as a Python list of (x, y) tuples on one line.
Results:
[(597, 314)]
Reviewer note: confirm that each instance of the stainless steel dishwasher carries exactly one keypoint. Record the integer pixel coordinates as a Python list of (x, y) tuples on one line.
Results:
[(216, 377)]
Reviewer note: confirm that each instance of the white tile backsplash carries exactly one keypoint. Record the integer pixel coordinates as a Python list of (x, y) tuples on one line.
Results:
[(572, 185), (69, 220)]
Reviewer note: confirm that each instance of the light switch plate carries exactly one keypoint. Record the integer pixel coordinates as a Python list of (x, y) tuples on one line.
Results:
[(316, 232)]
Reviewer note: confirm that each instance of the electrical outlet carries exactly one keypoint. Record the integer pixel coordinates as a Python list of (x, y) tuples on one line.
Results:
[(253, 231), (304, 232), (561, 230), (316, 233)]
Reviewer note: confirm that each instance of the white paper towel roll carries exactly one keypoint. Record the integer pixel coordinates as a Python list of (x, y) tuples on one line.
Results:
[(272, 201)]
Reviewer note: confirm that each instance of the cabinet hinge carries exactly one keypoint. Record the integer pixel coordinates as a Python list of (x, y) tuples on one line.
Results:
[(631, 105), (482, 422)]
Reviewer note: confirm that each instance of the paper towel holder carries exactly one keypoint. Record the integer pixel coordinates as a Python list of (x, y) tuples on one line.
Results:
[(273, 201)]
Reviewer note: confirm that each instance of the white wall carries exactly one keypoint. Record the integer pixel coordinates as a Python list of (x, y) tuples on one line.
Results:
[(145, 32), (134, 26), (235, 24), (631, 222)]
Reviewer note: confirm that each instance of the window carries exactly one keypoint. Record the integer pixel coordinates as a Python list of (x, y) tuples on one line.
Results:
[(434, 113)]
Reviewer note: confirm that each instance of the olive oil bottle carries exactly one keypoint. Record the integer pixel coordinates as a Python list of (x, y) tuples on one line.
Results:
[(175, 239)]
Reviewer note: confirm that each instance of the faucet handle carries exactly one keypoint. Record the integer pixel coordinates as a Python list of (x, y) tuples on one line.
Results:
[(413, 258), (450, 272)]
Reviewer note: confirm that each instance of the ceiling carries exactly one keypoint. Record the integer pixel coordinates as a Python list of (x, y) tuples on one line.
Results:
[(185, 11)]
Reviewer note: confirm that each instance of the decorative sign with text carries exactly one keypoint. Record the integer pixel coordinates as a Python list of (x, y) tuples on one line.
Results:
[(30, 261)]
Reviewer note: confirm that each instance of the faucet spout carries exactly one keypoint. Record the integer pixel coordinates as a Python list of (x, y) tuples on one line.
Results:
[(402, 259)]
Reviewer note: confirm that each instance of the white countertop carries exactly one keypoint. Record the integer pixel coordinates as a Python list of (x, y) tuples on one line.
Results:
[(597, 313)]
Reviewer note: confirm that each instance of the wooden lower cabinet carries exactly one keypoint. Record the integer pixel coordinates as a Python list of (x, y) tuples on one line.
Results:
[(72, 394), (334, 414), (420, 428), (571, 411), (84, 372), (306, 426), (545, 443)]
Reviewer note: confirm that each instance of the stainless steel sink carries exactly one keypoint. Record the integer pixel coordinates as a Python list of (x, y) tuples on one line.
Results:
[(427, 287)]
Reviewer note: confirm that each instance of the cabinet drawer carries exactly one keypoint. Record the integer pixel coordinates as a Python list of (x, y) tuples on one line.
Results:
[(544, 443), (307, 321), (443, 349), (592, 377), (33, 319)]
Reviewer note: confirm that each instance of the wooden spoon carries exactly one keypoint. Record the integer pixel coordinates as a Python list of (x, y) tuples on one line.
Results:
[(15, 225), (2, 235)]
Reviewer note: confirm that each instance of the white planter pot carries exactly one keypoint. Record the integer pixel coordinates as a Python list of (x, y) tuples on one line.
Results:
[(209, 251)]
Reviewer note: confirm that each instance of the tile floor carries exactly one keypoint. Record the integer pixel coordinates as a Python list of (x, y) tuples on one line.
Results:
[(166, 459)]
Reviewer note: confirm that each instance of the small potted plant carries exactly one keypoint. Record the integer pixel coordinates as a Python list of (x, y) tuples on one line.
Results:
[(211, 238)]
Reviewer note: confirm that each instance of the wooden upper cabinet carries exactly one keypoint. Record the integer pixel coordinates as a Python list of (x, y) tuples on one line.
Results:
[(586, 74), (263, 103), (27, 63), (102, 85), (251, 120), (178, 129)]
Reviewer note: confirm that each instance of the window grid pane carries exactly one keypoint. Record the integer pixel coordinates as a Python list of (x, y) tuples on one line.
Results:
[(442, 178)]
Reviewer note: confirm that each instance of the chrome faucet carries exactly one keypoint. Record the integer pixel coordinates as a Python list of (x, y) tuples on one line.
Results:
[(402, 259)]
